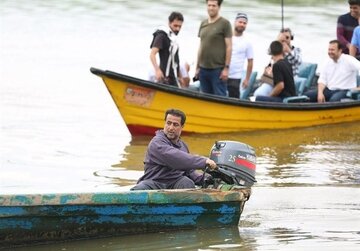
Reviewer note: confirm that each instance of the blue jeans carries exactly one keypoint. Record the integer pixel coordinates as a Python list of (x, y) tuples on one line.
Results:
[(210, 81), (330, 96)]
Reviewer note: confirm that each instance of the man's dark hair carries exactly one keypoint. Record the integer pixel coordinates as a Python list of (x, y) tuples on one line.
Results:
[(354, 2), (276, 48), (218, 1), (176, 113), (176, 16), (335, 41)]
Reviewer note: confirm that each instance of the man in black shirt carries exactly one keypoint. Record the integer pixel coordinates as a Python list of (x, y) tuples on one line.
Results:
[(164, 43)]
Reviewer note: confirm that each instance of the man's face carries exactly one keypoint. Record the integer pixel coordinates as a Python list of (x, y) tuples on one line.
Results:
[(213, 8), (333, 51), (240, 25), (355, 11), (175, 26), (173, 127), (285, 37)]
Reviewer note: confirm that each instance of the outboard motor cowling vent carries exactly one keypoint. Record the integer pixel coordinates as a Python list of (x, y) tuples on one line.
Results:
[(236, 162)]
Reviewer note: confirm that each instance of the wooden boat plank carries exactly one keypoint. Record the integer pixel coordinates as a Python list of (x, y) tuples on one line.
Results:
[(27, 219)]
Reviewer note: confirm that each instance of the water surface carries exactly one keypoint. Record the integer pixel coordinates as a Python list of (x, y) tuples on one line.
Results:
[(61, 132)]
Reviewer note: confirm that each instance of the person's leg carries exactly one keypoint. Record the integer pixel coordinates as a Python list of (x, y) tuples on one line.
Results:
[(233, 87), (183, 182), (219, 86), (205, 81), (148, 185), (268, 99), (338, 95), (263, 90), (312, 95)]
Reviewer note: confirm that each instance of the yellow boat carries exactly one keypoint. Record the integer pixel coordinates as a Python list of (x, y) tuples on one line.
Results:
[(142, 105)]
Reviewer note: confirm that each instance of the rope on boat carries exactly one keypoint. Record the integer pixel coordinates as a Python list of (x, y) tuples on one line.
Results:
[(282, 14)]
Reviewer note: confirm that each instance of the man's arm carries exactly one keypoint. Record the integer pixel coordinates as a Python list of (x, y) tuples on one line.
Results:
[(277, 89), (228, 45), (248, 73), (167, 155), (158, 73), (197, 67), (352, 50), (340, 33), (321, 88)]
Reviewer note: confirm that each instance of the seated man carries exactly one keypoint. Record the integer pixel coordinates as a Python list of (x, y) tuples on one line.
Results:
[(283, 76), (291, 53), (337, 77), (168, 163)]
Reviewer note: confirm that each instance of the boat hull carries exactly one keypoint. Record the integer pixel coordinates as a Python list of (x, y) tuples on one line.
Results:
[(29, 219), (142, 104)]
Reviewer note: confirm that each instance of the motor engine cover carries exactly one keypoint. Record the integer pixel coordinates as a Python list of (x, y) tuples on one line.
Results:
[(236, 162)]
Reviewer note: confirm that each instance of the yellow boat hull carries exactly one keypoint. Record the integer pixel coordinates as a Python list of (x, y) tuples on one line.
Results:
[(142, 105)]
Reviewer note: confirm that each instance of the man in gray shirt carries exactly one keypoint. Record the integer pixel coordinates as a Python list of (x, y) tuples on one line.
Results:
[(168, 163)]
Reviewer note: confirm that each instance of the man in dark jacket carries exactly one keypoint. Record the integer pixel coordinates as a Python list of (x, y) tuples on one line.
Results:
[(168, 163)]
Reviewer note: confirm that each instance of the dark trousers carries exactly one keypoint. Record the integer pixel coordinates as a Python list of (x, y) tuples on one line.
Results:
[(210, 82), (182, 183), (269, 99), (330, 96), (233, 86)]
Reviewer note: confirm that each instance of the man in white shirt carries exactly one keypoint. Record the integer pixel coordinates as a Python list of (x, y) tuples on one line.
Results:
[(241, 50), (337, 77)]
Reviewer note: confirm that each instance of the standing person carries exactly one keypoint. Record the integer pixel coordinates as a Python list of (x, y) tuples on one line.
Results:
[(241, 50), (214, 51), (355, 41), (291, 53), (346, 24), (283, 76), (337, 77), (168, 163), (164, 43)]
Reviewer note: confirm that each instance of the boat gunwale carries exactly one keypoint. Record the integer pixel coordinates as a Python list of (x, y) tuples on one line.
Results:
[(173, 196), (224, 100)]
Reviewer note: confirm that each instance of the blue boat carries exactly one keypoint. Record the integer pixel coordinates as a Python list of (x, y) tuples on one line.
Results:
[(43, 218)]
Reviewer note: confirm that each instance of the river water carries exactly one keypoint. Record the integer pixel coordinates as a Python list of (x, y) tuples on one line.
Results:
[(61, 132)]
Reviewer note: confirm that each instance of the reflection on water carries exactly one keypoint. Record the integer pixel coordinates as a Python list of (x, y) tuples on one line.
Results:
[(307, 157), (213, 239)]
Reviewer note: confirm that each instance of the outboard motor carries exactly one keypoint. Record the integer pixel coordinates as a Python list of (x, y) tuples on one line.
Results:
[(236, 163)]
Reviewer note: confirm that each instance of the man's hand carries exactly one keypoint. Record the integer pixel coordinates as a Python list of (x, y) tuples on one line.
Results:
[(321, 97), (224, 74), (211, 164), (245, 83), (159, 75)]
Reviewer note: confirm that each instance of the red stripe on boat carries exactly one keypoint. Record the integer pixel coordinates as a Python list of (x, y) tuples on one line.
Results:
[(142, 130), (245, 163)]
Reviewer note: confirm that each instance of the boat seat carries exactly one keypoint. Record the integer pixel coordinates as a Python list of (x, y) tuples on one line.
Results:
[(296, 99), (307, 73), (195, 86), (353, 94), (244, 94), (300, 85)]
